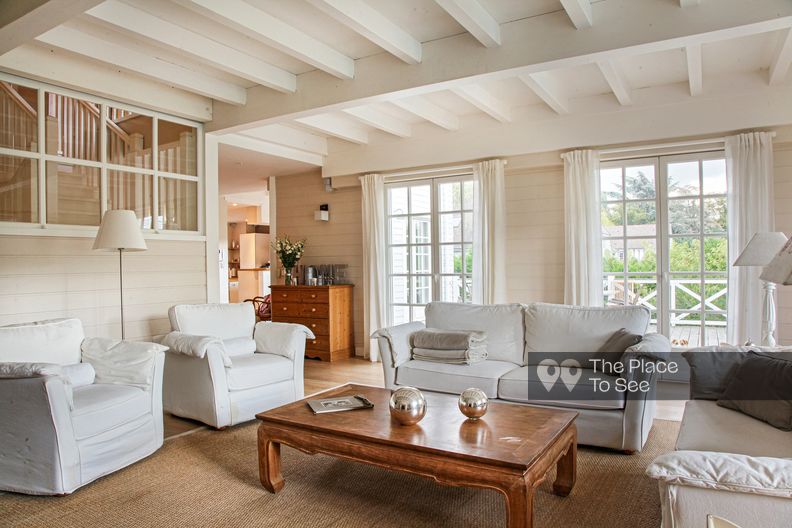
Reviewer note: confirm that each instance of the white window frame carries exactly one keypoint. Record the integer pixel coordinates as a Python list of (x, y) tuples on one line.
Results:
[(663, 236), (435, 274), (42, 228)]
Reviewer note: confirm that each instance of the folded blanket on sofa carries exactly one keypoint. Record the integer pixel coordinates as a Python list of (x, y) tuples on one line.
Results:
[(466, 356), (436, 339)]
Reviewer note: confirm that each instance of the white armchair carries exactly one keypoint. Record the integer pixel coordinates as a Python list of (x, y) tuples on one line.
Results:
[(222, 367), (74, 409)]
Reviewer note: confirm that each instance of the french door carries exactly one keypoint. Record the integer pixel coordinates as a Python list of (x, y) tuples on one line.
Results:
[(665, 247)]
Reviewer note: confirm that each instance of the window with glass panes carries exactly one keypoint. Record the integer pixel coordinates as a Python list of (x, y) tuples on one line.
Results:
[(69, 157), (430, 244), (664, 243)]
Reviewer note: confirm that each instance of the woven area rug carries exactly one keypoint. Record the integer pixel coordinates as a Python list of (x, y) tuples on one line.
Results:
[(210, 478)]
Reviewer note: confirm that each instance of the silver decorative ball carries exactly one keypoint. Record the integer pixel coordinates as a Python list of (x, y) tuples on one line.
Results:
[(473, 403), (407, 405)]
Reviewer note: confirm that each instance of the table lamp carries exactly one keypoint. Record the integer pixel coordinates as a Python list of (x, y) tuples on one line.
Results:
[(120, 231), (759, 252)]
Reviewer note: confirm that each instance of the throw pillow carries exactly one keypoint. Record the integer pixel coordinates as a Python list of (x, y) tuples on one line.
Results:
[(761, 387), (711, 368), (614, 348)]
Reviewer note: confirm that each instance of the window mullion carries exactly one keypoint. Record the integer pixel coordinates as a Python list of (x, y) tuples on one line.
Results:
[(103, 159), (41, 118)]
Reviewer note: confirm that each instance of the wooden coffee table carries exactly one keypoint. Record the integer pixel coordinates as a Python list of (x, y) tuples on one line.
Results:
[(511, 449)]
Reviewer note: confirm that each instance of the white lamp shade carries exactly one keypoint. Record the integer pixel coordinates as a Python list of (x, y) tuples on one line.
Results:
[(779, 270), (761, 249), (120, 229)]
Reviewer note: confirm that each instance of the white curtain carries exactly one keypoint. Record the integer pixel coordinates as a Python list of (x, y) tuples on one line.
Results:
[(374, 261), (749, 172), (583, 237), (489, 232)]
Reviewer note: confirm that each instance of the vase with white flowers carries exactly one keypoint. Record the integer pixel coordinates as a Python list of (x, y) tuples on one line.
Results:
[(289, 253)]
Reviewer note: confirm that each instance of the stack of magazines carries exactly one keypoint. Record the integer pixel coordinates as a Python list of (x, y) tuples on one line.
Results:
[(340, 403)]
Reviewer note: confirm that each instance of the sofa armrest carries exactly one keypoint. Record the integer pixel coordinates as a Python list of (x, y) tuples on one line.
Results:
[(725, 472), (283, 339), (395, 344), (123, 362), (195, 345), (39, 370)]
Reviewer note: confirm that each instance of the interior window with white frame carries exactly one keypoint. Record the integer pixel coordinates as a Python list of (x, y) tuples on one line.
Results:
[(66, 157), (665, 243), (430, 244)]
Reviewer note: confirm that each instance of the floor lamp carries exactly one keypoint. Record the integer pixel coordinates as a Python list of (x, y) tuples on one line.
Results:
[(762, 248), (120, 231)]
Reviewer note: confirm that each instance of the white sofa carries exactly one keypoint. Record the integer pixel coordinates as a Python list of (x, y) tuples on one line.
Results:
[(519, 337), (222, 367), (726, 464), (74, 409)]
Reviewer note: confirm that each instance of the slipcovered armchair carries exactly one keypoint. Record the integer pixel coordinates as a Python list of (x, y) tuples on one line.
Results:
[(73, 409), (222, 367)]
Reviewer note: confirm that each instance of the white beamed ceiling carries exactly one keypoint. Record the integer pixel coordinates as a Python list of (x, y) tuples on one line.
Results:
[(549, 69)]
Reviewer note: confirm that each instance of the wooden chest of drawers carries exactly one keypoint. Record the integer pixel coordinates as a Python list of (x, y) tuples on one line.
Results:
[(326, 310)]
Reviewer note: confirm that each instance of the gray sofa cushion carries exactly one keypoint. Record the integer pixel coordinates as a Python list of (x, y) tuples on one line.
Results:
[(711, 368), (707, 427), (524, 386), (562, 328), (440, 377), (503, 324)]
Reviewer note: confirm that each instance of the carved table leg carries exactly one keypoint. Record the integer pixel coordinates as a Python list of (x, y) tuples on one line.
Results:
[(566, 470), (269, 462), (519, 506)]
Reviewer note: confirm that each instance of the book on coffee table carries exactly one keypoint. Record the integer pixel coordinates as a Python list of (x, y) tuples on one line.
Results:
[(343, 403)]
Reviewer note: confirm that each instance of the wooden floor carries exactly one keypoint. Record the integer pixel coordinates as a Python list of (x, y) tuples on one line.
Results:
[(322, 375)]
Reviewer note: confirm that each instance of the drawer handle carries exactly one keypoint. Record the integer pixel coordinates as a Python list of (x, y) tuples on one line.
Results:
[(313, 309), (315, 341), (313, 296), (313, 325), (285, 308), (284, 295)]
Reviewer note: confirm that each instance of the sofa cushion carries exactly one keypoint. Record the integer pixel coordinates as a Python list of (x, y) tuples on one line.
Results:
[(239, 346), (523, 385), (101, 407), (708, 427), (79, 374), (453, 379), (52, 341), (257, 370), (563, 328), (225, 321), (501, 322)]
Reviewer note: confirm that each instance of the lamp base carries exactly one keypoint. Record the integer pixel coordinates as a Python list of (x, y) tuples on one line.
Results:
[(768, 315)]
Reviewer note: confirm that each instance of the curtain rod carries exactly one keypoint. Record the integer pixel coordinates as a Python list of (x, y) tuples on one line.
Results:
[(656, 146), (418, 172)]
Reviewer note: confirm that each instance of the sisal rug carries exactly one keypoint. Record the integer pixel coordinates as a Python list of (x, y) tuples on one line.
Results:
[(210, 478)]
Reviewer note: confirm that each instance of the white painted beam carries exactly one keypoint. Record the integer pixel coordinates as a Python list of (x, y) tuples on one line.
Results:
[(695, 68), (129, 18), (21, 22), (538, 82), (289, 137), (81, 43), (367, 21), (782, 59), (431, 112), (336, 127), (272, 31), (272, 149), (484, 101), (616, 81), (530, 45), (472, 16), (379, 120), (689, 3), (579, 12), (59, 67)]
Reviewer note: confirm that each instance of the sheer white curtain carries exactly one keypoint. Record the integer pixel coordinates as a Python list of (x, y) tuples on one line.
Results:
[(489, 232), (749, 172), (375, 315), (583, 237)]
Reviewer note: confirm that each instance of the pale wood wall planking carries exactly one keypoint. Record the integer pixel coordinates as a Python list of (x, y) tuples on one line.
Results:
[(50, 277), (339, 241)]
